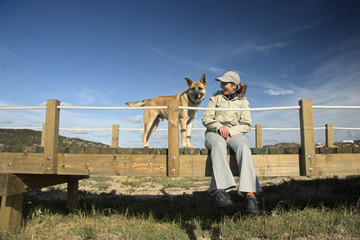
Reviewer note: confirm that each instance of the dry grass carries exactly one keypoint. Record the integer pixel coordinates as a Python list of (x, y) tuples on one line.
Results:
[(291, 209)]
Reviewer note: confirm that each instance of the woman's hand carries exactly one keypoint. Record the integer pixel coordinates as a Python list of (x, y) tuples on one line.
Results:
[(224, 133)]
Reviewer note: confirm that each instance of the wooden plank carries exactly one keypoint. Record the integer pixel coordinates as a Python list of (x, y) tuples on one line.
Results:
[(258, 136), (155, 165), (277, 165), (329, 135), (72, 193), (43, 135), (195, 165), (51, 136), (11, 184), (115, 136), (11, 211), (265, 165), (308, 158), (112, 164), (21, 163), (173, 139), (338, 164)]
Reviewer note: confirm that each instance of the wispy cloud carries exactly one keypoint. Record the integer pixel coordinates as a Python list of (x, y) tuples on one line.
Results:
[(163, 54), (86, 97), (304, 28), (264, 48), (135, 119), (338, 77), (90, 96), (216, 70), (279, 91), (274, 90)]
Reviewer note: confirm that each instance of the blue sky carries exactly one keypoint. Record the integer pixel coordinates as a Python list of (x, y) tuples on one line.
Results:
[(105, 53)]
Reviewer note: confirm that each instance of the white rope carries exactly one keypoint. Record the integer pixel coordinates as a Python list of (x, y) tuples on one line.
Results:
[(20, 127), (240, 109), (345, 128), (85, 129), (336, 107), (110, 108), (180, 107), (165, 129), (22, 108), (281, 129)]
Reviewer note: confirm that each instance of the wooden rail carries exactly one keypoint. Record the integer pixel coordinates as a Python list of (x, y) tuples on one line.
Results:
[(27, 168)]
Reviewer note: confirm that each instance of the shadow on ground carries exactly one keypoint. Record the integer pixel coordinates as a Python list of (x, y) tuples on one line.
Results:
[(298, 194)]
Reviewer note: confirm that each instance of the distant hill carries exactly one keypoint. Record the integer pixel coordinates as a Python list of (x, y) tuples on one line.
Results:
[(356, 143), (283, 145), (26, 137)]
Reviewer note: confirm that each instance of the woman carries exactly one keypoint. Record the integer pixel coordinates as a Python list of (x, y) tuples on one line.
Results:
[(226, 129)]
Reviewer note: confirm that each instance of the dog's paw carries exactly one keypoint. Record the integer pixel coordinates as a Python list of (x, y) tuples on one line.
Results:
[(189, 146)]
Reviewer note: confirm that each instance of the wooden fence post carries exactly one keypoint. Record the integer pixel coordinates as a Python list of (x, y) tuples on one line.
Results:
[(51, 136), (72, 193), (329, 135), (307, 158), (43, 135), (173, 139), (115, 136), (11, 211), (258, 136)]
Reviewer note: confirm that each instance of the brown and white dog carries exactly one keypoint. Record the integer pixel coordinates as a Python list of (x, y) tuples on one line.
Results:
[(191, 97)]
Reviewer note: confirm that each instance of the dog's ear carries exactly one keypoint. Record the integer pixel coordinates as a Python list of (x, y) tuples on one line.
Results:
[(203, 79), (188, 81), (241, 92)]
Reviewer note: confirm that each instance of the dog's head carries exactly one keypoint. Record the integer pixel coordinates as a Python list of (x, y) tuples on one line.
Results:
[(196, 90)]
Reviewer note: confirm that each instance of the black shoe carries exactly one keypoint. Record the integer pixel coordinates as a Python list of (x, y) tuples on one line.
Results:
[(252, 205), (222, 199)]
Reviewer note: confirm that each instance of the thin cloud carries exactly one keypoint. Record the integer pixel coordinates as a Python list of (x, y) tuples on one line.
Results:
[(136, 119), (163, 54), (61, 104), (89, 96), (216, 70), (86, 97), (277, 92), (304, 28), (265, 48)]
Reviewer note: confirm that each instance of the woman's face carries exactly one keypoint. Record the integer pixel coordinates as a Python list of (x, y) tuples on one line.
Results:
[(228, 88)]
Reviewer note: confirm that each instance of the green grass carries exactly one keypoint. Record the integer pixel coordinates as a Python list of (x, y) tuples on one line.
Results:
[(295, 209), (307, 223), (184, 182)]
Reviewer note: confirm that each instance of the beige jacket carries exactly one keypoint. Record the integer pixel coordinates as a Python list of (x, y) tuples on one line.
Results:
[(237, 122)]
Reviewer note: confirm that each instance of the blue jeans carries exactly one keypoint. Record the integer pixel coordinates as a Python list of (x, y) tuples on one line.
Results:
[(222, 177)]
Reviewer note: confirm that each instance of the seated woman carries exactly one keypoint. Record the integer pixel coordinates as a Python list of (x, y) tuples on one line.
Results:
[(226, 129)]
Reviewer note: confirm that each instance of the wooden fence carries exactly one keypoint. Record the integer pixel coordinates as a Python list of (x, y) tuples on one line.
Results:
[(28, 168)]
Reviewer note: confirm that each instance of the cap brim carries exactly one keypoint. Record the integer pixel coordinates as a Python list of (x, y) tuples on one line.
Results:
[(222, 79)]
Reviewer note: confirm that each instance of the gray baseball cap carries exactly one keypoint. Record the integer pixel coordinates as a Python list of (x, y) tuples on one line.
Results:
[(229, 76)]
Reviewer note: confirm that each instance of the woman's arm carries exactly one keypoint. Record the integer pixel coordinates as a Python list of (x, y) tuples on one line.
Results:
[(208, 119), (244, 121)]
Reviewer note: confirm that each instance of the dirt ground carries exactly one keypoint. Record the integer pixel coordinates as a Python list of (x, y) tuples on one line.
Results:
[(304, 189)]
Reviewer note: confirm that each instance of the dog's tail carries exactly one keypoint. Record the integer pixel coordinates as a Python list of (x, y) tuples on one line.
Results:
[(137, 104)]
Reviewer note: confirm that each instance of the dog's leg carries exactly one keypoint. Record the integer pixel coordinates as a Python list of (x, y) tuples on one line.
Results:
[(153, 127), (183, 131), (149, 119), (188, 133)]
